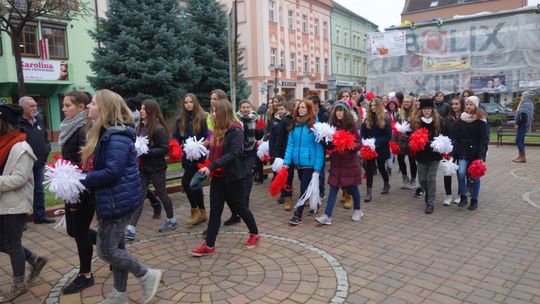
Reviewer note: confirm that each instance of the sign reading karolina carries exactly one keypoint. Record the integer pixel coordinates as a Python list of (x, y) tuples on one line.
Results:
[(35, 69)]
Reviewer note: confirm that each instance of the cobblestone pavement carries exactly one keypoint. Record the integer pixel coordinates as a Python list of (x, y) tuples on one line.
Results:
[(396, 254)]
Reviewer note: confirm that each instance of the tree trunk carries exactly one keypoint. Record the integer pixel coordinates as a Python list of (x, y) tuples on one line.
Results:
[(18, 62)]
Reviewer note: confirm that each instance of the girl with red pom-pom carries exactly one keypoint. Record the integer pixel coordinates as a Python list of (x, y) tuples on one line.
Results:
[(470, 144), (392, 114), (377, 126), (427, 118), (457, 107), (345, 170), (406, 115)]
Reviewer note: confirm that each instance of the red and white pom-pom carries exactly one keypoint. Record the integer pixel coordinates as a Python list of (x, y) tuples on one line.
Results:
[(343, 141), (323, 131), (448, 167), (63, 179), (418, 140), (394, 147), (442, 144), (279, 182), (277, 164), (263, 150), (312, 193), (195, 149), (476, 169), (141, 145), (402, 127), (368, 152)]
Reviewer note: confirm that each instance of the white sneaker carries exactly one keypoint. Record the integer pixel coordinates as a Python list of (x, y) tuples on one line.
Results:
[(150, 283), (447, 200), (357, 215), (456, 200), (324, 219), (116, 297)]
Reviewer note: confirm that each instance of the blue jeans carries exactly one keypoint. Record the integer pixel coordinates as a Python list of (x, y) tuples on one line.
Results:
[(520, 137), (39, 194), (322, 177), (332, 196), (462, 180), (112, 250), (305, 178)]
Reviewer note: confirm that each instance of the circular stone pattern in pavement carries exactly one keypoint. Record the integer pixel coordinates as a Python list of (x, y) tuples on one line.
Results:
[(278, 268)]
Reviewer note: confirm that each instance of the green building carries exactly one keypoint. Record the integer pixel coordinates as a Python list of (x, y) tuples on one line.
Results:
[(349, 56), (55, 61)]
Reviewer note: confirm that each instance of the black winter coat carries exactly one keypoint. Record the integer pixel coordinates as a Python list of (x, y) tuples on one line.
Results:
[(37, 138), (71, 150), (203, 133), (382, 138), (282, 137), (471, 140), (428, 155), (154, 161), (231, 159)]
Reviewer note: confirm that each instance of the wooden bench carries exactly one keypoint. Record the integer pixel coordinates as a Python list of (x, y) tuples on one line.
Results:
[(507, 129)]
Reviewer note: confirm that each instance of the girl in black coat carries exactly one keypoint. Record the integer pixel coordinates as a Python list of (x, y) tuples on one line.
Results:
[(450, 124)]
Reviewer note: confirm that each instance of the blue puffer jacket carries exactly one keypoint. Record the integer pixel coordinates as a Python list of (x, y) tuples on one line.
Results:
[(115, 178), (303, 150)]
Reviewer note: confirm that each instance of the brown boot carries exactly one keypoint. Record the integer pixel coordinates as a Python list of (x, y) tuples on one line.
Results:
[(521, 158), (348, 202), (202, 215), (194, 219), (343, 198), (287, 206)]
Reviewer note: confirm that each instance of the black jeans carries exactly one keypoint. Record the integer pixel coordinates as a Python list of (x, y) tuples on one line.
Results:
[(403, 166), (249, 162), (305, 175), (158, 180), (39, 193), (195, 197), (78, 227), (288, 190), (370, 168), (232, 192), (11, 228)]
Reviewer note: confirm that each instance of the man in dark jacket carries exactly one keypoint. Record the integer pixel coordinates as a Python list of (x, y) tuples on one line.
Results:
[(442, 107), (36, 136)]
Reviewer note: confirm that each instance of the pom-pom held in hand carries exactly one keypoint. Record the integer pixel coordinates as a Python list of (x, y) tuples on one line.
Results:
[(442, 144), (175, 151), (312, 193), (277, 164), (195, 149), (260, 124), (323, 131), (477, 169), (403, 127), (279, 182), (367, 153), (370, 95), (141, 145), (394, 147), (63, 179), (263, 151), (343, 141), (418, 140), (448, 167)]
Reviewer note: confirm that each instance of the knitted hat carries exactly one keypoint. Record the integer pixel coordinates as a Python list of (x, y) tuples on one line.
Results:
[(474, 100), (426, 103), (528, 94), (10, 113), (343, 104)]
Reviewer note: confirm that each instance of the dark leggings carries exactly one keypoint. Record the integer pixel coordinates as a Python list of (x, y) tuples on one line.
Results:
[(78, 227), (305, 175), (371, 166), (158, 180), (11, 228), (232, 192), (288, 190), (195, 197), (403, 166)]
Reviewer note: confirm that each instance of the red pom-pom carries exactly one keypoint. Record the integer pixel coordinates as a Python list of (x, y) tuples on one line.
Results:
[(343, 141), (418, 140), (57, 156), (367, 153), (279, 182), (394, 147), (445, 156), (261, 124), (395, 130), (204, 165), (175, 151), (370, 95), (266, 159), (477, 169)]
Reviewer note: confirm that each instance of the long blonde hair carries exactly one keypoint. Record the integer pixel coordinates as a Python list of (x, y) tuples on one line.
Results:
[(378, 117), (113, 111), (222, 122)]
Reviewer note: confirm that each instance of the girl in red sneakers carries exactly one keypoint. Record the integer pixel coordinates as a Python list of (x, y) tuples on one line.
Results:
[(228, 176)]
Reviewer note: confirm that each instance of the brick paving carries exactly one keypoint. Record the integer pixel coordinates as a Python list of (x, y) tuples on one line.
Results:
[(396, 254)]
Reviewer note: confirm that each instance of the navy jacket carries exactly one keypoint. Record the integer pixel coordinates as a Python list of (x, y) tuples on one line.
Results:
[(203, 133), (382, 138), (115, 178), (471, 141), (36, 136)]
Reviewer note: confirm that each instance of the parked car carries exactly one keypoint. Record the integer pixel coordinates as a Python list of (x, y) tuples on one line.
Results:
[(492, 108)]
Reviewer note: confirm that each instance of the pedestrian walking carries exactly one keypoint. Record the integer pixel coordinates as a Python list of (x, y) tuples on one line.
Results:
[(450, 124), (406, 116), (523, 122)]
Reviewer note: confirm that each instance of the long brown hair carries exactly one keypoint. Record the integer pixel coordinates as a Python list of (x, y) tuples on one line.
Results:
[(417, 122), (452, 114), (153, 117), (378, 117), (223, 120), (198, 115), (310, 114), (347, 123)]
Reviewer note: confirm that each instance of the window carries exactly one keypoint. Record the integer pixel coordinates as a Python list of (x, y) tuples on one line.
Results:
[(28, 41), (304, 24), (326, 66), (316, 27), (306, 64), (317, 65), (282, 58), (345, 39), (338, 64), (273, 54), (280, 17), (291, 20), (434, 3), (56, 36), (325, 29), (293, 62), (271, 13), (338, 33), (346, 65)]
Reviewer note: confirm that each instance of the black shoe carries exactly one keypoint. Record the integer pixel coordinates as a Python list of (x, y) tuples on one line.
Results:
[(35, 268), (296, 220), (429, 208), (234, 219), (281, 200), (463, 201), (81, 282), (386, 188), (473, 205), (419, 192), (157, 212), (44, 220)]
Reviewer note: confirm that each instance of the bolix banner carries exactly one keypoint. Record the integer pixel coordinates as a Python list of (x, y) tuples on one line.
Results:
[(36, 69), (452, 57), (388, 43)]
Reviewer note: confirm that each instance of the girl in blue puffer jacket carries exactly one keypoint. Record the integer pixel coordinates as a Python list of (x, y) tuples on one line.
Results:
[(302, 150), (110, 147)]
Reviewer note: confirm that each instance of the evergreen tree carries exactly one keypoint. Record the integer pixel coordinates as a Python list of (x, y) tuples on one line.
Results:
[(141, 52)]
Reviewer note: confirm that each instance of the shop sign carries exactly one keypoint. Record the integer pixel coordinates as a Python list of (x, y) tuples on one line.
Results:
[(341, 83), (288, 84), (35, 69), (5, 100)]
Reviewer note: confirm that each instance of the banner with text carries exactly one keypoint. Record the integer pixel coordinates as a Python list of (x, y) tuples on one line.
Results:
[(35, 69), (388, 43)]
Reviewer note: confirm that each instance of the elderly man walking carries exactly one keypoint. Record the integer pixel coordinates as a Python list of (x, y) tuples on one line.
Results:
[(524, 120), (36, 136)]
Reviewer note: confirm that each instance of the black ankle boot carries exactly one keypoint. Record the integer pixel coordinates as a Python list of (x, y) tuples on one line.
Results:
[(473, 205), (463, 201), (368, 195), (429, 208), (386, 188)]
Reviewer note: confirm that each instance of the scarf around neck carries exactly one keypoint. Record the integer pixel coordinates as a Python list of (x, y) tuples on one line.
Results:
[(468, 118), (427, 120), (7, 141), (301, 120), (69, 126)]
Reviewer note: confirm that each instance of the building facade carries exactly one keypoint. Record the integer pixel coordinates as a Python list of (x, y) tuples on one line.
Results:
[(349, 57), (55, 61)]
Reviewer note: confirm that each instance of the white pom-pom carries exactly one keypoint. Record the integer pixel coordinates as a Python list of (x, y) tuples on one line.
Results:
[(323, 131), (195, 149), (63, 179), (263, 150), (277, 164), (442, 144), (448, 167), (312, 193), (403, 127), (370, 142), (141, 145)]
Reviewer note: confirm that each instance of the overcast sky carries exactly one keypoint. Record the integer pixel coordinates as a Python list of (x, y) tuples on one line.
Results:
[(384, 13)]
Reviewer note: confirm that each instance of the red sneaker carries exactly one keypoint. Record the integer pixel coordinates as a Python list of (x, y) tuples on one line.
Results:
[(253, 240), (202, 250)]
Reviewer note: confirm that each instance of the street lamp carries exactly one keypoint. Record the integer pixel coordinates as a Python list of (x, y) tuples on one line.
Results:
[(275, 70)]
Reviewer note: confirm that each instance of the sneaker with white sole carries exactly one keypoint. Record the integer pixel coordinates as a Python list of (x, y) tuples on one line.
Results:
[(447, 200), (357, 215), (116, 297), (150, 283), (456, 200), (324, 219)]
